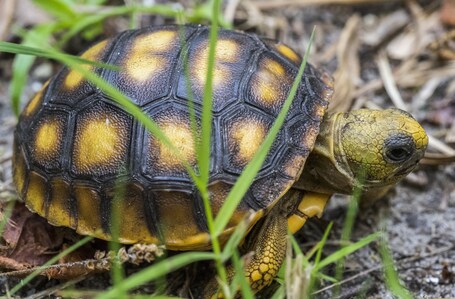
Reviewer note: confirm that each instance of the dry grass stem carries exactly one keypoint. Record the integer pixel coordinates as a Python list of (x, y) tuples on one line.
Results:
[(297, 277), (389, 81), (7, 8), (440, 146), (348, 71), (276, 4), (231, 8)]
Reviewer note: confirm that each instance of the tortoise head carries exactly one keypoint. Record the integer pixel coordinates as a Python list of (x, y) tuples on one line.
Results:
[(373, 148)]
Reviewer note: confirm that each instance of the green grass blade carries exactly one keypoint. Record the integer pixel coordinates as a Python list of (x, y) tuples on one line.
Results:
[(206, 121), (152, 297), (8, 47), (23, 63), (334, 257), (248, 174), (156, 271), (391, 276), (7, 211), (240, 279), (58, 8), (327, 278), (53, 260), (348, 225), (279, 293), (117, 273), (234, 240), (91, 19), (322, 243)]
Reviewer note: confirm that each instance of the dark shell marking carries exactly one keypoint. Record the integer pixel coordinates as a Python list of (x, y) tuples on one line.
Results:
[(78, 155)]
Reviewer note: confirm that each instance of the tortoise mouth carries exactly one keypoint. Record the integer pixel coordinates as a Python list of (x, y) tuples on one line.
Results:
[(406, 169)]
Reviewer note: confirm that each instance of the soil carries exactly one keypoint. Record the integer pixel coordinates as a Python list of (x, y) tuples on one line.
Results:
[(418, 216)]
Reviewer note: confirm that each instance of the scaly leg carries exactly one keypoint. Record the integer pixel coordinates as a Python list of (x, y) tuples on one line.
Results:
[(267, 241), (268, 247)]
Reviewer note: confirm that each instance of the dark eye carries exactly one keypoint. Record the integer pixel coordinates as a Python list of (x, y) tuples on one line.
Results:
[(398, 154)]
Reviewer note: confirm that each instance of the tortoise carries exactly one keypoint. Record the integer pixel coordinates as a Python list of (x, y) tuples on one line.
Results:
[(74, 145)]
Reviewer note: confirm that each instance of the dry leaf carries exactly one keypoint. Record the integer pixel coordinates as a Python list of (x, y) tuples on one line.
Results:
[(30, 239)]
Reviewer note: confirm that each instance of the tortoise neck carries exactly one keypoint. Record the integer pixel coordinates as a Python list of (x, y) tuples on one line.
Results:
[(325, 170)]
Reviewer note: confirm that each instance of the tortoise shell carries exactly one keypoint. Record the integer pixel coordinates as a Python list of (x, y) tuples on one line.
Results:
[(77, 153)]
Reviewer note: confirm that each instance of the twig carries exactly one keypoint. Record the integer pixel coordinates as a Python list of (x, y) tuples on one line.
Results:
[(264, 5), (229, 12), (440, 146), (389, 82), (7, 12)]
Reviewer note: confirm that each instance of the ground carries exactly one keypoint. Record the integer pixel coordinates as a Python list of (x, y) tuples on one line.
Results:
[(356, 43)]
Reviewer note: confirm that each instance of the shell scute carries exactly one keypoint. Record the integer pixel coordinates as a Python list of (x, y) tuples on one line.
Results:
[(69, 87), (47, 139), (101, 141), (233, 51), (244, 130), (147, 59), (159, 161), (270, 84)]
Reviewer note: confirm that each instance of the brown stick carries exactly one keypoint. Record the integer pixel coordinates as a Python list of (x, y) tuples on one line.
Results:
[(265, 5)]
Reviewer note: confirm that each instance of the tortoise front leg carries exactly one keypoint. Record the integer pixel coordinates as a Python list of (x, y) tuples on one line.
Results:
[(267, 243), (269, 247)]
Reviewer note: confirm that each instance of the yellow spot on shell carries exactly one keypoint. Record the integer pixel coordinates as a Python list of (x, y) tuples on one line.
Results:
[(142, 68), (293, 166), (33, 105), (74, 78), (98, 142), (146, 57), (88, 212), (19, 170), (176, 217), (59, 210), (47, 140), (267, 82), (275, 68), (226, 51), (288, 53), (248, 136), (159, 41), (182, 138), (133, 225), (35, 196)]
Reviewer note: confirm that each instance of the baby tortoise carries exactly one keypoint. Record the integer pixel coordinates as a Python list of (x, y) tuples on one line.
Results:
[(74, 145)]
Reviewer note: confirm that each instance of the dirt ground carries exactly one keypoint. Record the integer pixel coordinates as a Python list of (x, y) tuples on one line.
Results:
[(357, 43)]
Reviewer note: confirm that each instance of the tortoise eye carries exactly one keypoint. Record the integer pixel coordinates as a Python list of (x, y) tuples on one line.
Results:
[(399, 154), (399, 148)]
